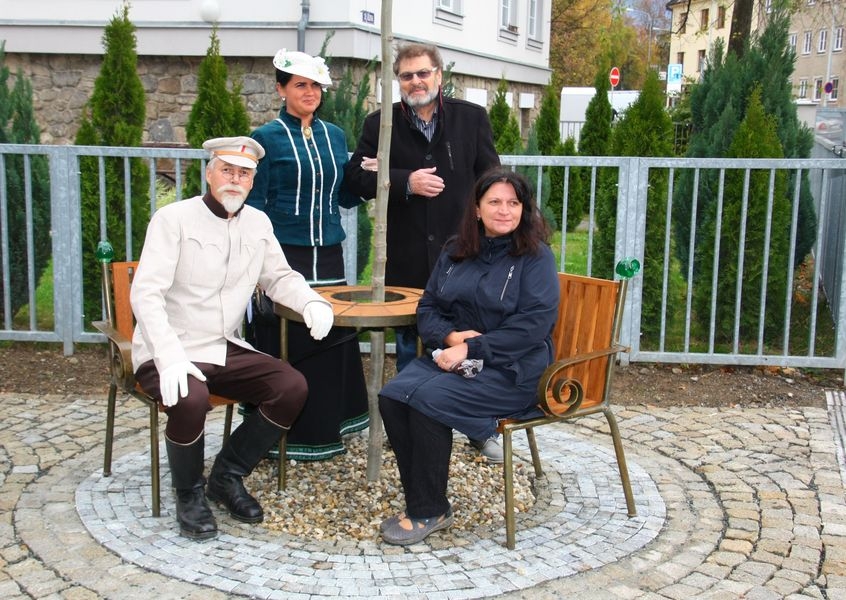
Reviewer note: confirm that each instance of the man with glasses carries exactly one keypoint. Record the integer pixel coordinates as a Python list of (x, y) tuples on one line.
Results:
[(439, 147), (201, 261)]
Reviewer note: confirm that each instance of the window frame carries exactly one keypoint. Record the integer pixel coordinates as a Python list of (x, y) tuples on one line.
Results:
[(822, 41), (721, 17), (508, 14), (534, 12)]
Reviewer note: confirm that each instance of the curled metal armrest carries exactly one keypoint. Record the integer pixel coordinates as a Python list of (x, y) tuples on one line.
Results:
[(120, 359), (560, 396)]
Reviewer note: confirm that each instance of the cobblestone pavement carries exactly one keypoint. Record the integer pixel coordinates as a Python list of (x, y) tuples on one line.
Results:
[(734, 503)]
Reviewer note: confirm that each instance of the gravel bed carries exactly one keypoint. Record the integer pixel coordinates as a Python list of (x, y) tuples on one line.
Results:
[(332, 500)]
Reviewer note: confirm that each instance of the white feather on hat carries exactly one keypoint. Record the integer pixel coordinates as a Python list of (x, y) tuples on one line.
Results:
[(304, 65)]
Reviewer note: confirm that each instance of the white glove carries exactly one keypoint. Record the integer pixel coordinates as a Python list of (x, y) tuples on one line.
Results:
[(173, 381), (369, 164), (318, 318)]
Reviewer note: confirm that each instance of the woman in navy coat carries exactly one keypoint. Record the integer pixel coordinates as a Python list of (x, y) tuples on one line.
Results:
[(489, 307)]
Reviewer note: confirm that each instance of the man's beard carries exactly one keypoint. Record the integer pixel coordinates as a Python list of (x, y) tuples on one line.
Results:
[(232, 203), (418, 101)]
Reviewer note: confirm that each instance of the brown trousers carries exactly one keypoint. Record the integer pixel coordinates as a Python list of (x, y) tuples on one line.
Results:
[(274, 386)]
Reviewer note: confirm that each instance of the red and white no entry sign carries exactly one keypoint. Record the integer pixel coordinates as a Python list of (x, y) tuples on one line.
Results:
[(614, 76)]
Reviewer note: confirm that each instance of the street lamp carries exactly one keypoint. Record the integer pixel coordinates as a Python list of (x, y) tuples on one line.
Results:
[(649, 42)]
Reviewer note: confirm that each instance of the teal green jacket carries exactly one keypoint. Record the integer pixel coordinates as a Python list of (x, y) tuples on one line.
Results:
[(299, 182)]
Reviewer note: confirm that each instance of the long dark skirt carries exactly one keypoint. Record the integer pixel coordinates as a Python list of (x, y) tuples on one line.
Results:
[(337, 391)]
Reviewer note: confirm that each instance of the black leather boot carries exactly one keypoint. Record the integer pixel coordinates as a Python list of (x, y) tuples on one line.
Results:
[(246, 447), (193, 514)]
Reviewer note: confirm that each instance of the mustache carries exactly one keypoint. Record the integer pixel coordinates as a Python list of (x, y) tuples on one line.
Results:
[(231, 187)]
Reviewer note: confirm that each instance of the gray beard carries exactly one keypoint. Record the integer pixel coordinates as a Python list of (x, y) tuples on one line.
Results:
[(232, 204), (417, 102)]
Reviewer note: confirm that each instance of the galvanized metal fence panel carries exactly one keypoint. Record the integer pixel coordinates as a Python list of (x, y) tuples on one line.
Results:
[(632, 181)]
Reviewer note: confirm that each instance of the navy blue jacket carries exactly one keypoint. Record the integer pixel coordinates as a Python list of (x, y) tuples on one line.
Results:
[(513, 302)]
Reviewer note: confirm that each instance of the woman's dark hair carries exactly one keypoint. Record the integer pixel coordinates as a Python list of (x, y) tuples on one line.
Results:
[(282, 78), (530, 233)]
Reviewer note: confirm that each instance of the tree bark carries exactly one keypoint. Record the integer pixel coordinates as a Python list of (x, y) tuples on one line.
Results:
[(377, 338), (741, 26)]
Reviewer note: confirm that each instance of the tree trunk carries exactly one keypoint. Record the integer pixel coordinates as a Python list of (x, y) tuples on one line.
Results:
[(741, 26), (377, 338)]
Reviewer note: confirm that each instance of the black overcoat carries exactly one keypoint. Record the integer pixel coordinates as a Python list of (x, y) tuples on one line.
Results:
[(462, 148)]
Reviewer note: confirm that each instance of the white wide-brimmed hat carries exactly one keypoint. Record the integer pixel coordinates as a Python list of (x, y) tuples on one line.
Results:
[(304, 65)]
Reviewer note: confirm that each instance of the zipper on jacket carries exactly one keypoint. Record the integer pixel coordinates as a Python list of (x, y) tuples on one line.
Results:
[(449, 154), (448, 273), (507, 279)]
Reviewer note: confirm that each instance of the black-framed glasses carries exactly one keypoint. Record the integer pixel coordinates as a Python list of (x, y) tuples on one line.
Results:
[(422, 74)]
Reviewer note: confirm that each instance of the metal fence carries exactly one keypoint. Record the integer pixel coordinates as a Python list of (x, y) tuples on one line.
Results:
[(812, 335)]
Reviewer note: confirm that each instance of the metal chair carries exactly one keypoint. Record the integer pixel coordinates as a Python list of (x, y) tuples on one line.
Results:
[(578, 383), (118, 328)]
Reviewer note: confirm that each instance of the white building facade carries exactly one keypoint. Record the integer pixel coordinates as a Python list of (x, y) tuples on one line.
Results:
[(58, 44)]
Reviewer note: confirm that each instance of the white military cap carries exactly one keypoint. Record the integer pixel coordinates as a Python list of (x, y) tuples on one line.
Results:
[(242, 151), (305, 65)]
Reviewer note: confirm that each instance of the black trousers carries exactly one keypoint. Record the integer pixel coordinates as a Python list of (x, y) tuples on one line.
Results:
[(423, 448), (268, 383)]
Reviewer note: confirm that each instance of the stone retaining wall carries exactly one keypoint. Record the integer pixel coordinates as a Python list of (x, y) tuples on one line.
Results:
[(63, 84)]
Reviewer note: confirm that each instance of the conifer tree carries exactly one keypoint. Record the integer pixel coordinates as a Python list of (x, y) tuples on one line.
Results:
[(506, 130), (548, 123), (719, 104), (644, 130), (576, 198), (595, 140), (756, 137), (548, 131), (217, 110), (595, 135), (18, 126), (114, 116)]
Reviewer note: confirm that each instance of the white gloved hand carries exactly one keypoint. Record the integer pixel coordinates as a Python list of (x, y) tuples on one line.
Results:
[(369, 164), (173, 381), (318, 318)]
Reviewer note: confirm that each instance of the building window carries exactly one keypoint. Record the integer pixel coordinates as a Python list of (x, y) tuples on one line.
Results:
[(721, 17), (682, 22), (806, 43), (791, 41), (508, 15), (703, 19), (818, 88), (769, 6), (803, 88), (701, 61), (823, 43), (535, 18), (680, 58), (838, 39), (448, 12), (835, 84)]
